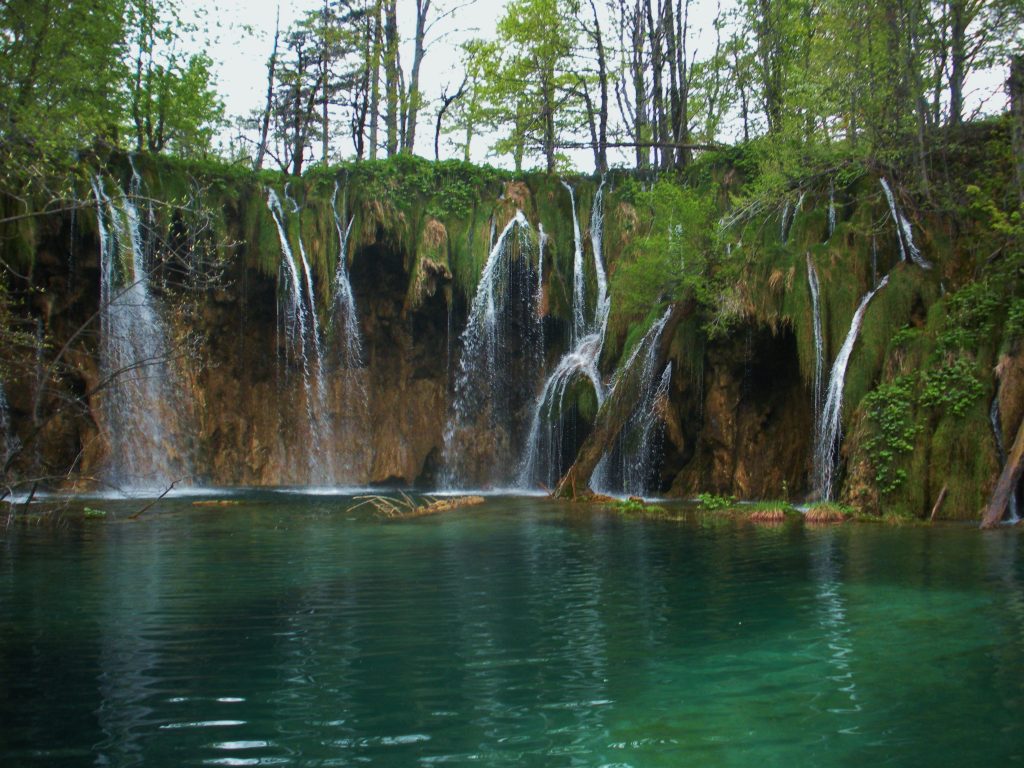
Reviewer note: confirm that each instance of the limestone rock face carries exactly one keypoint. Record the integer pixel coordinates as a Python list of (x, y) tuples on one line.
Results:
[(752, 439)]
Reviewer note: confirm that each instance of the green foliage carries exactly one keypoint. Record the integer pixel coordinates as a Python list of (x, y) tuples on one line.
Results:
[(953, 387), (94, 514), (971, 317), (905, 336), (890, 410), (677, 257), (524, 81), (710, 502), (1015, 320)]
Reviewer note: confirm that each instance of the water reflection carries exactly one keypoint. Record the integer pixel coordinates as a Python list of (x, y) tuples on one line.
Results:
[(521, 632)]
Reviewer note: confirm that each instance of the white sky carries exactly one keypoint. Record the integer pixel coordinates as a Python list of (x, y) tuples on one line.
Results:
[(241, 36), (241, 56)]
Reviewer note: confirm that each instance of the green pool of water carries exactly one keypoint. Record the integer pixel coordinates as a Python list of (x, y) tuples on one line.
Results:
[(287, 630)]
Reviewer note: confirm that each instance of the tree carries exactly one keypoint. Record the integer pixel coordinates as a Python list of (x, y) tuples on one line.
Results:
[(171, 96), (527, 82)]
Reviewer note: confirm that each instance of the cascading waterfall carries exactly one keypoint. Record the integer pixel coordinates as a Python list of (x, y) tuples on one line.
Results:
[(503, 331), (784, 223), (904, 233), (542, 457), (344, 318), (828, 438), (631, 463), (819, 347), (831, 210), (346, 350), (996, 420), (140, 400), (579, 295), (304, 346)]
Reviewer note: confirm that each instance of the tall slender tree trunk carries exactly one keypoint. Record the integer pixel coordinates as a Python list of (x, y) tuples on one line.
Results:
[(391, 75), (657, 90), (642, 125), (261, 151), (1015, 85), (601, 150), (958, 60), (415, 98), (374, 67), (325, 85)]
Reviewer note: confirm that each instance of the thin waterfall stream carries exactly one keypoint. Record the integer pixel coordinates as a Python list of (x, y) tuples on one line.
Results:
[(304, 347), (829, 432)]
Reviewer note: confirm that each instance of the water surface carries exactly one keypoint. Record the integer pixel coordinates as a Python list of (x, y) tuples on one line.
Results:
[(288, 630)]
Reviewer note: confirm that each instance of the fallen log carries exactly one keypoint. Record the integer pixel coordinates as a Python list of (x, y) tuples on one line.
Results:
[(1007, 484), (938, 503)]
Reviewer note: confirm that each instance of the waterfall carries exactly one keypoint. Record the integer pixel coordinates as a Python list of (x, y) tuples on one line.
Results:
[(304, 345), (831, 209), (140, 399), (629, 465), (996, 420), (542, 458), (828, 437), (819, 347), (904, 233), (9, 442), (344, 317), (502, 332), (784, 223), (579, 296)]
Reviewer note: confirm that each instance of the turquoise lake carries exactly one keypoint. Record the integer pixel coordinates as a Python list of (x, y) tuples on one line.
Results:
[(288, 630)]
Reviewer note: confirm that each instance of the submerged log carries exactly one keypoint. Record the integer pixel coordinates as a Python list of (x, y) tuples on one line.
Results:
[(1007, 484), (404, 507), (614, 414)]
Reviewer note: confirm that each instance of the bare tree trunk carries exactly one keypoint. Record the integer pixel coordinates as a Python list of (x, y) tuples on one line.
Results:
[(660, 132), (1015, 85), (391, 75), (601, 148), (422, 8), (261, 152), (958, 60), (642, 131), (374, 67), (446, 102), (325, 75)]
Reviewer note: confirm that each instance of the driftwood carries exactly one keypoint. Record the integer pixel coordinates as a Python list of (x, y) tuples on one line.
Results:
[(939, 502), (1007, 484), (137, 514), (403, 507)]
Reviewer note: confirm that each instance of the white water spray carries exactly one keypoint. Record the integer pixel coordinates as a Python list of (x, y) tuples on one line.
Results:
[(629, 465), (828, 438), (141, 400), (504, 313), (819, 350), (541, 461), (904, 233)]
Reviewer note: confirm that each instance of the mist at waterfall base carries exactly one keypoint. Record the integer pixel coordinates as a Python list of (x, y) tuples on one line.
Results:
[(286, 630)]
